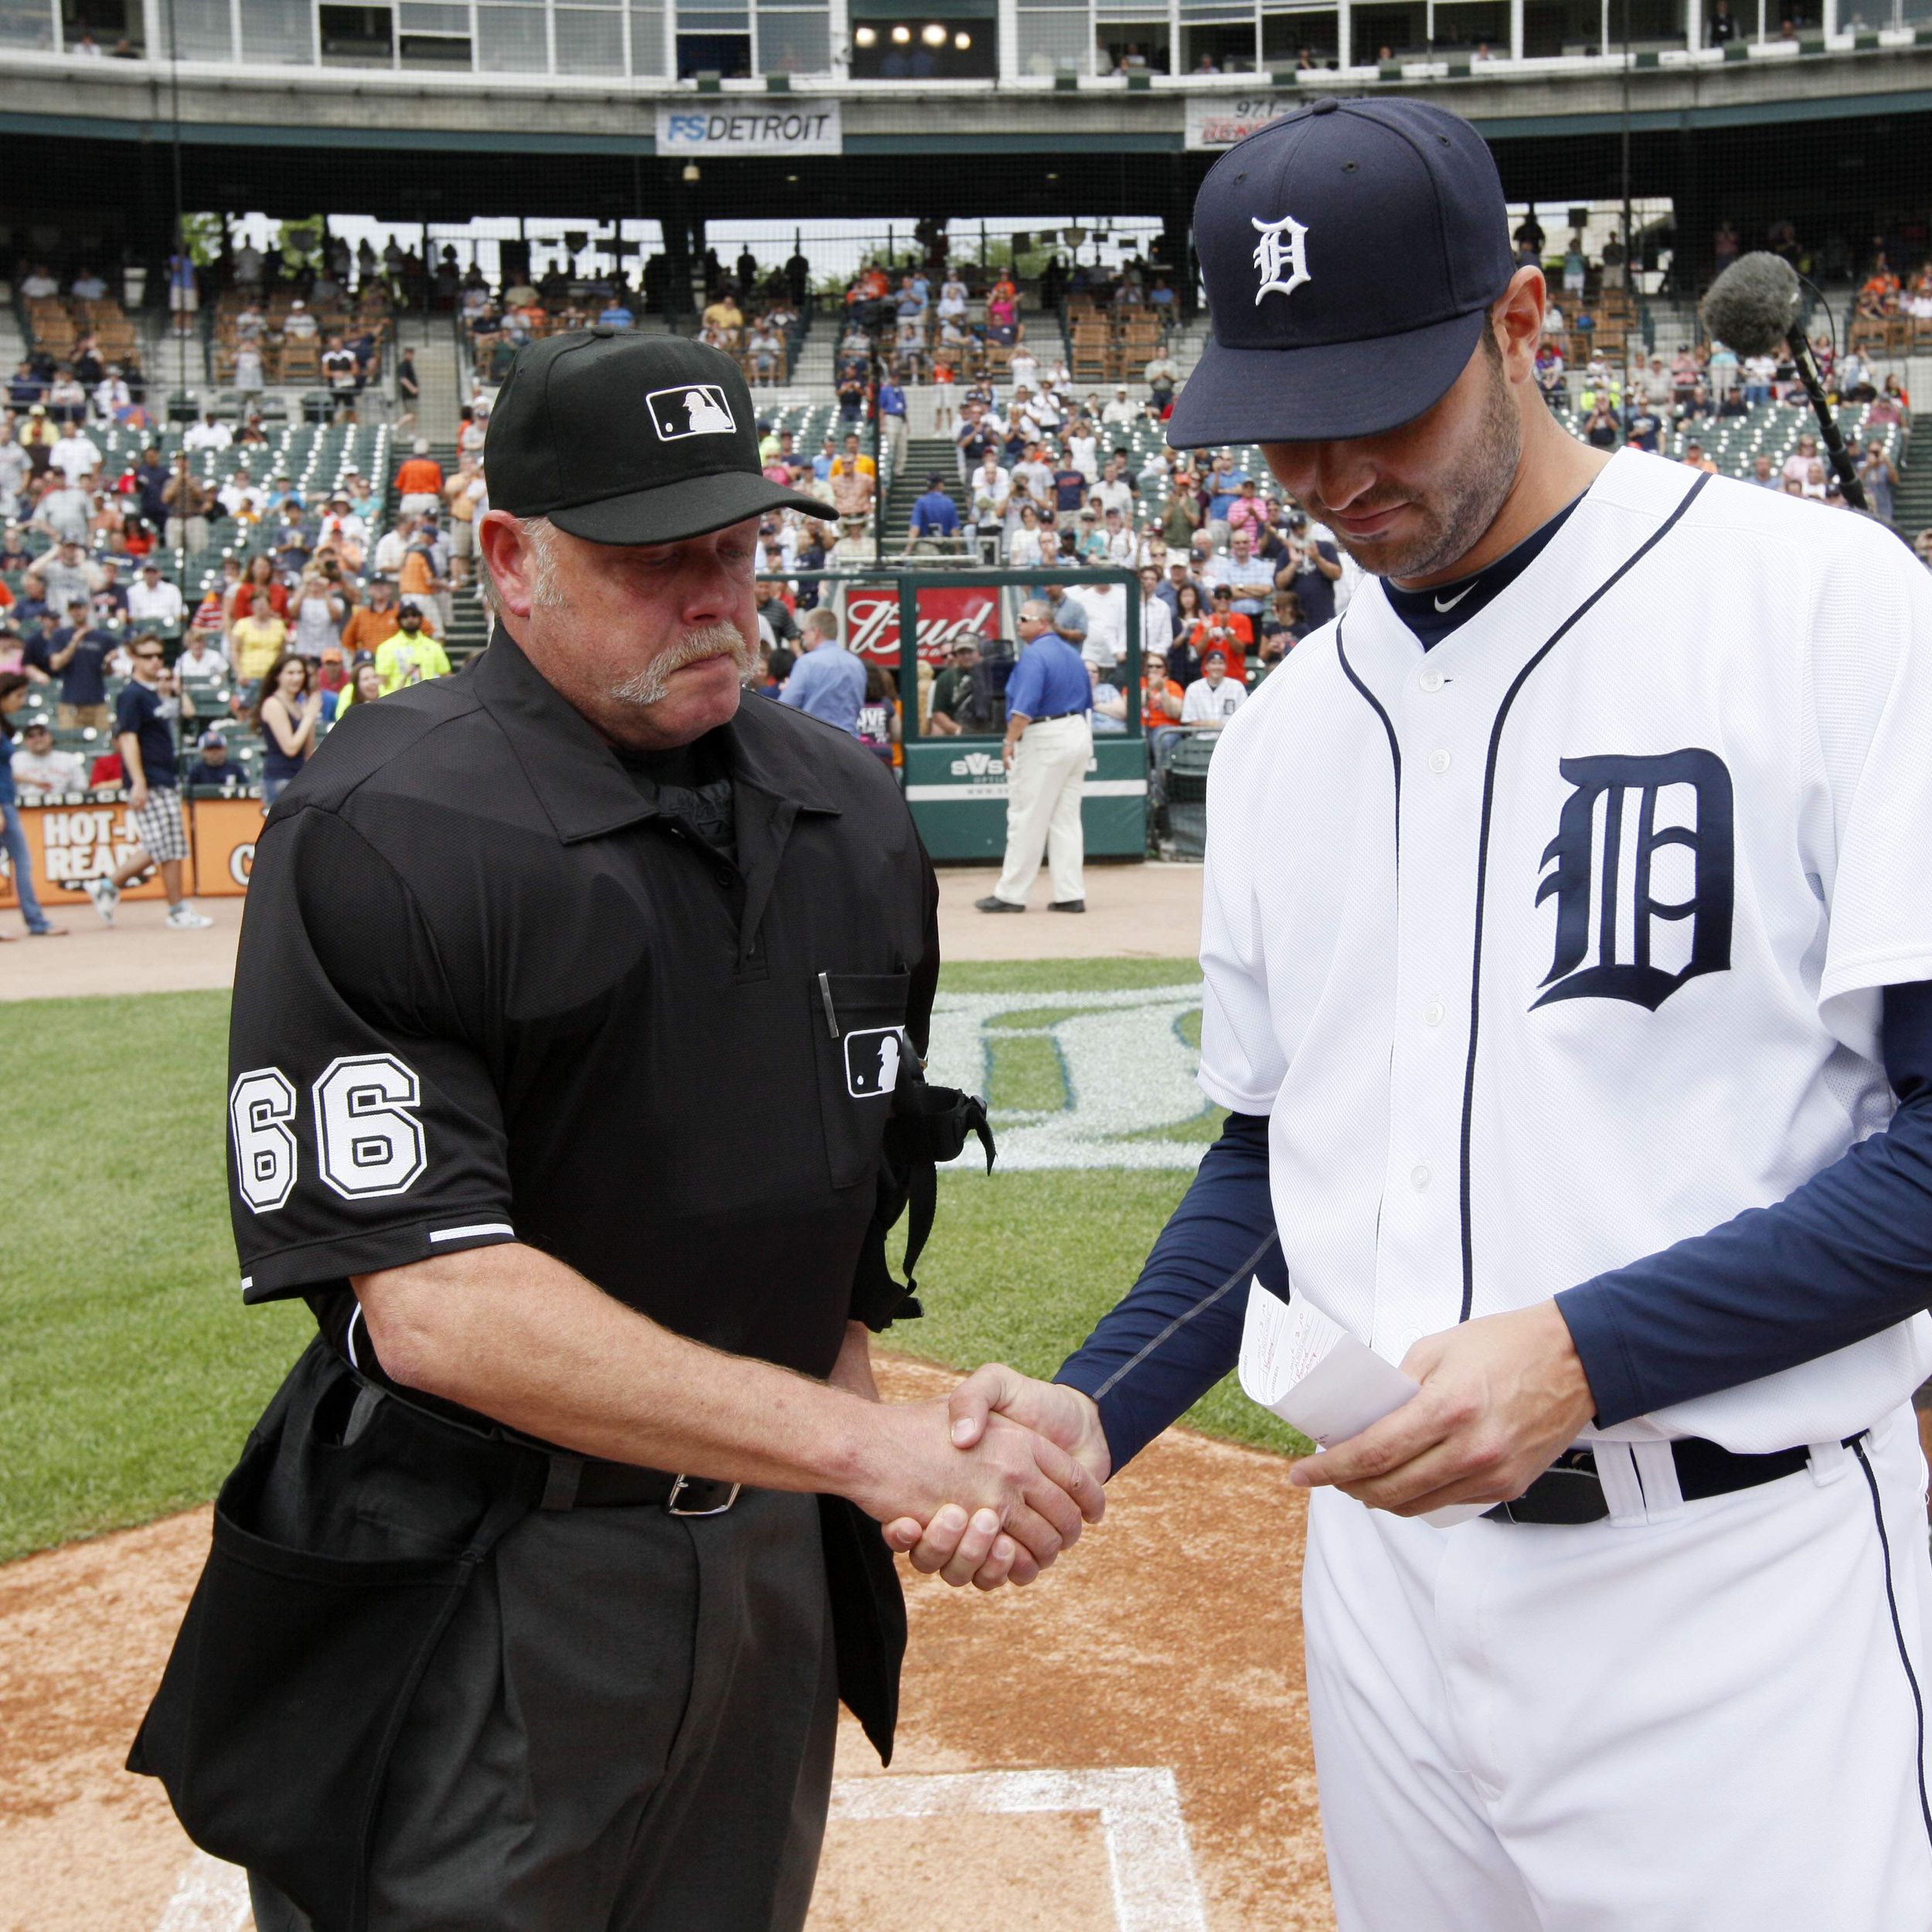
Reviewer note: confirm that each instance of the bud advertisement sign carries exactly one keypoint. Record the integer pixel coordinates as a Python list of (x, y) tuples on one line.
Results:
[(945, 616)]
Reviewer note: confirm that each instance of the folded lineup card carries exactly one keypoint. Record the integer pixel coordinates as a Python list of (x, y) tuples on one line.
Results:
[(1311, 1372)]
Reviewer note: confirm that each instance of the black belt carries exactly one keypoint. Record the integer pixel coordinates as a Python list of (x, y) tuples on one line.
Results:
[(581, 1482), (1049, 717), (1570, 1491)]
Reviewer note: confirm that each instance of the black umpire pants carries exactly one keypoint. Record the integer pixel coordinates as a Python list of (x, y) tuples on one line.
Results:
[(627, 1727)]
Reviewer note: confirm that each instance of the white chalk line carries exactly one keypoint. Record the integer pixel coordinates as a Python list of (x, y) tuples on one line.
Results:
[(210, 1897), (1150, 1863), (1149, 1859)]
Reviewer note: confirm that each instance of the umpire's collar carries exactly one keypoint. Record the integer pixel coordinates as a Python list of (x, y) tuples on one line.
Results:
[(578, 778)]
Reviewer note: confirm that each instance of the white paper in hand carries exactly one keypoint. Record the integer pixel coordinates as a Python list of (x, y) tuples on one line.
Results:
[(1318, 1377)]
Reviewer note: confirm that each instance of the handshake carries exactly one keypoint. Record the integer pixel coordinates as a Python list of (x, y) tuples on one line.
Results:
[(989, 1484)]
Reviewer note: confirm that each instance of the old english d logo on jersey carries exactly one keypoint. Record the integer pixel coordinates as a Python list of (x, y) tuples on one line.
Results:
[(1284, 245), (871, 1061), (1643, 877), (693, 409)]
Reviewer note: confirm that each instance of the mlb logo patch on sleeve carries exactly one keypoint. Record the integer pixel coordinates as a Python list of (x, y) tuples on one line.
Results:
[(871, 1061), (692, 409)]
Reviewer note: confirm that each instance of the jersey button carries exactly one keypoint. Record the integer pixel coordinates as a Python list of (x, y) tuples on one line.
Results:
[(1439, 762), (1434, 1013), (1419, 1177), (1431, 680)]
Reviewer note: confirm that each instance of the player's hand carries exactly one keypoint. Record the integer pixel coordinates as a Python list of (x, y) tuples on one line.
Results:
[(973, 1550), (1500, 1399), (1011, 1486), (138, 795)]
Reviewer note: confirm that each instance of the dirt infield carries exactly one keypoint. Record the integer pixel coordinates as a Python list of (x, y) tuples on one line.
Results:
[(1132, 1728), (1134, 911)]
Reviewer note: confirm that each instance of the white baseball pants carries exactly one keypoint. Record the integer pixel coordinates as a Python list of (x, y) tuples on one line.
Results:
[(1043, 809), (1710, 1720)]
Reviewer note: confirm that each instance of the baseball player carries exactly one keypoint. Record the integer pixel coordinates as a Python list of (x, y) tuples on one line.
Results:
[(1578, 1053)]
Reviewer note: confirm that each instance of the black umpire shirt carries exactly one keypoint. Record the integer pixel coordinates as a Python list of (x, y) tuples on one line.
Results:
[(496, 983)]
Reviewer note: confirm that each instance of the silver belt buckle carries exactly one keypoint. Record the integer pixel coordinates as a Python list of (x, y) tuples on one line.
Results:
[(677, 1489)]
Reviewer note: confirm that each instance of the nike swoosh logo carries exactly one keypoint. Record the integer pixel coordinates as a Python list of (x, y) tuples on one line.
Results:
[(1449, 603)]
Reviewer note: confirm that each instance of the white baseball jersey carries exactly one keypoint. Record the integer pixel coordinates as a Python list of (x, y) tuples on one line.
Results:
[(1565, 939)]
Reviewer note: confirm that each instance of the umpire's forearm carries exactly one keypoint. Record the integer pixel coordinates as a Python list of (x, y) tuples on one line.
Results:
[(516, 1335)]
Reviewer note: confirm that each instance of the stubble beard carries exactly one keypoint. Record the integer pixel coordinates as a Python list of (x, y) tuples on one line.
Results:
[(1462, 503), (650, 684)]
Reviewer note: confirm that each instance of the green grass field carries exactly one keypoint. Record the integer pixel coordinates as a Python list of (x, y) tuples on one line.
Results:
[(129, 1372)]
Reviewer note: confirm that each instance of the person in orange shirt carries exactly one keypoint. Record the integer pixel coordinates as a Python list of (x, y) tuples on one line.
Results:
[(420, 481), (374, 622)]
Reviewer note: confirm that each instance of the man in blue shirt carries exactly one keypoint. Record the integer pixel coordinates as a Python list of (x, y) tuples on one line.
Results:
[(827, 681), (1050, 743), (77, 653), (147, 714), (935, 517), (616, 315), (892, 417)]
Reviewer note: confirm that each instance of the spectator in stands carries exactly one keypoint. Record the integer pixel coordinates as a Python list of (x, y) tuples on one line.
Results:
[(827, 681), (212, 771), (1313, 570), (77, 455), (144, 721), (419, 481), (152, 602), (299, 325), (318, 610), (287, 716), (1798, 465), (1880, 477), (961, 703), (40, 772), (239, 599), (13, 696), (411, 654), (257, 640), (65, 512), (725, 316), (210, 433), (1695, 459), (187, 500), (935, 518), (77, 653), (1214, 697)]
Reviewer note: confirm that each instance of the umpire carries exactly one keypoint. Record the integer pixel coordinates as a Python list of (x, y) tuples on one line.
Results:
[(574, 1084)]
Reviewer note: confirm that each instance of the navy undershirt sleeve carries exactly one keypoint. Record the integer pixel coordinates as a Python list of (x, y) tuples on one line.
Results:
[(1178, 1330), (1842, 1256)]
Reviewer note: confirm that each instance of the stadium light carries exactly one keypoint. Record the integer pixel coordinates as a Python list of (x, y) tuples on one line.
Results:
[(866, 36), (901, 34), (962, 41), (691, 171), (933, 34)]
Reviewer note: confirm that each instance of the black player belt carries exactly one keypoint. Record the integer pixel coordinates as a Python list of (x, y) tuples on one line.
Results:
[(584, 1482), (1051, 717), (1570, 1491)]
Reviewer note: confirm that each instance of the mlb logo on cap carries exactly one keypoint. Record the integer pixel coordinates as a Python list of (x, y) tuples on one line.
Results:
[(696, 408)]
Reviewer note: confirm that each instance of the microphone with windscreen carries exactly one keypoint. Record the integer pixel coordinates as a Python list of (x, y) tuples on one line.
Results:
[(1753, 307)]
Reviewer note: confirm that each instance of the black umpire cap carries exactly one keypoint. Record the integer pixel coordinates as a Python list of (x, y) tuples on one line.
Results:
[(1351, 252), (622, 438)]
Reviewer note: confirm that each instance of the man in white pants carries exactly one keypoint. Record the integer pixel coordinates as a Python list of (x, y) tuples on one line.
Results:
[(1049, 739), (1579, 1059)]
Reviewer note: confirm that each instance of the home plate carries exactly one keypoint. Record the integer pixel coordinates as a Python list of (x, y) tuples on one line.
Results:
[(1111, 1845)]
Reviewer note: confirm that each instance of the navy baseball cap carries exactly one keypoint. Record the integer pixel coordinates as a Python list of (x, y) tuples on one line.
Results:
[(1351, 252), (623, 438)]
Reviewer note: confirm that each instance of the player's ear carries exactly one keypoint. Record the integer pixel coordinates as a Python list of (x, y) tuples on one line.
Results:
[(1516, 322)]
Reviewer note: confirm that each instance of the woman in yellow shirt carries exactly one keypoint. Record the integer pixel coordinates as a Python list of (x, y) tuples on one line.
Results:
[(256, 641)]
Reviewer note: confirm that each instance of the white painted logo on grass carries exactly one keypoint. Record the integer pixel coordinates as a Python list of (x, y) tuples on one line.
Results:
[(1149, 1860), (210, 1897), (693, 409), (1126, 1070)]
